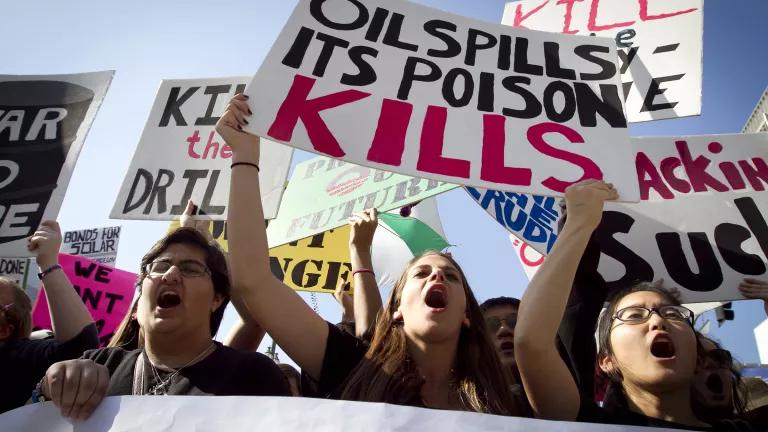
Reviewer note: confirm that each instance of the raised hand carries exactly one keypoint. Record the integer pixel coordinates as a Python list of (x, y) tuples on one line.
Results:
[(45, 243), (362, 227), (584, 202), (230, 126), (201, 225)]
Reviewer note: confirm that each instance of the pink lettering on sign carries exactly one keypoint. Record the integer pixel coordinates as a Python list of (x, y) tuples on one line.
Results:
[(107, 293), (297, 106)]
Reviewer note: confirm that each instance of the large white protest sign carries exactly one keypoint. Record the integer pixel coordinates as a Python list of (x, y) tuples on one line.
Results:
[(43, 123), (240, 413), (97, 244), (405, 88), (659, 42), (701, 225), (180, 156)]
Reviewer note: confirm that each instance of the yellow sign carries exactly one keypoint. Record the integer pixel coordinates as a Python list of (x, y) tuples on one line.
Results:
[(313, 264)]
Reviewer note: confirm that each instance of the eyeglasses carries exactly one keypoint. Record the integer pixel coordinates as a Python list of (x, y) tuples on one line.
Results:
[(639, 314), (188, 268), (494, 324)]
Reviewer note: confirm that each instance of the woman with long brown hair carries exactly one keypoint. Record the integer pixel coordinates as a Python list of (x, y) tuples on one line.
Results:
[(429, 348)]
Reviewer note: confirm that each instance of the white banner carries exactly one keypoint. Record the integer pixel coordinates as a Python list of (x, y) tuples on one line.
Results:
[(702, 224), (660, 46), (180, 156), (98, 244), (44, 120), (405, 88), (239, 413)]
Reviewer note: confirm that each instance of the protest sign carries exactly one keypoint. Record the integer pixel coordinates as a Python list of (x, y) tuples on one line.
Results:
[(44, 120), (701, 225), (660, 46), (107, 293), (324, 192), (529, 257), (223, 414), (15, 269), (405, 88), (98, 244), (315, 263), (180, 156)]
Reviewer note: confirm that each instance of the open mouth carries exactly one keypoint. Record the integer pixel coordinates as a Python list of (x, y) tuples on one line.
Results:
[(662, 347), (507, 346), (436, 298), (714, 383), (168, 299)]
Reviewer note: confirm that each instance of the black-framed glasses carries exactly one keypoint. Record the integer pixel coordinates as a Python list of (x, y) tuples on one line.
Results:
[(188, 268), (494, 323), (639, 314)]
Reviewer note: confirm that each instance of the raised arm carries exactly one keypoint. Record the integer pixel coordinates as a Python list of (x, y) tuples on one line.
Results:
[(258, 295), (244, 337), (68, 313), (548, 383), (367, 300)]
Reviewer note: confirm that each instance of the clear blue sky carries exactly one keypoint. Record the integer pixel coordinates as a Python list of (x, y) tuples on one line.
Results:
[(147, 41)]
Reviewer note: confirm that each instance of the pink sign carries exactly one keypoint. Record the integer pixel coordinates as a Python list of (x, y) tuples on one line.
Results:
[(107, 293)]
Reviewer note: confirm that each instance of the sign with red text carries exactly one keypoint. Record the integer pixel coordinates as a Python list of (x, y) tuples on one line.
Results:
[(180, 156), (324, 192), (530, 258), (397, 86), (98, 244), (44, 120), (106, 291), (702, 224), (660, 46)]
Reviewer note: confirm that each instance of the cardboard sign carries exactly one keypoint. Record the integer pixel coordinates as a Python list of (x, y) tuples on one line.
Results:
[(324, 192), (660, 46), (702, 225), (15, 269), (43, 123), (405, 88), (98, 244), (107, 293), (180, 156)]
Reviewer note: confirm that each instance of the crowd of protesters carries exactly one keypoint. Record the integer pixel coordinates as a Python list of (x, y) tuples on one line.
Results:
[(430, 343)]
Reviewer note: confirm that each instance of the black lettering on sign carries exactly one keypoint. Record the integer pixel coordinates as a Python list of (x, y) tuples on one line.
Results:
[(709, 277), (637, 269), (173, 106)]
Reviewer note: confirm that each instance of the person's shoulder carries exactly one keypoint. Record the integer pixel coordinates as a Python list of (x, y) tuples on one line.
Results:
[(249, 359), (109, 356)]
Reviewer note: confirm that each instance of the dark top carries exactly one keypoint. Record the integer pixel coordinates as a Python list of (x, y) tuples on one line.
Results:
[(343, 352), (590, 412), (225, 372), (24, 362)]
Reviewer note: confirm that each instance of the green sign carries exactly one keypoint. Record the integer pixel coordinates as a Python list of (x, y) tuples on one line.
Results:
[(324, 192)]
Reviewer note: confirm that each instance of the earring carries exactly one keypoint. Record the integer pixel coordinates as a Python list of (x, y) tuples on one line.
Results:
[(465, 322)]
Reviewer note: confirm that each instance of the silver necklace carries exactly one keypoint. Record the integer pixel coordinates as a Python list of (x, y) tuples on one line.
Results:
[(162, 386)]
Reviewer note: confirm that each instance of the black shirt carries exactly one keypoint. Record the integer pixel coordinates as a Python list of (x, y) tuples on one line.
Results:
[(343, 352), (590, 412), (24, 362), (225, 372)]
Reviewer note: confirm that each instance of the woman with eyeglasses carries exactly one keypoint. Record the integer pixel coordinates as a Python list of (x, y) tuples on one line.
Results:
[(648, 346), (183, 291)]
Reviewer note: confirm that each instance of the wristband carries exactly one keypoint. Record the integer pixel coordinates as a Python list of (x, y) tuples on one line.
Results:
[(45, 272), (37, 393), (363, 270), (245, 163)]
